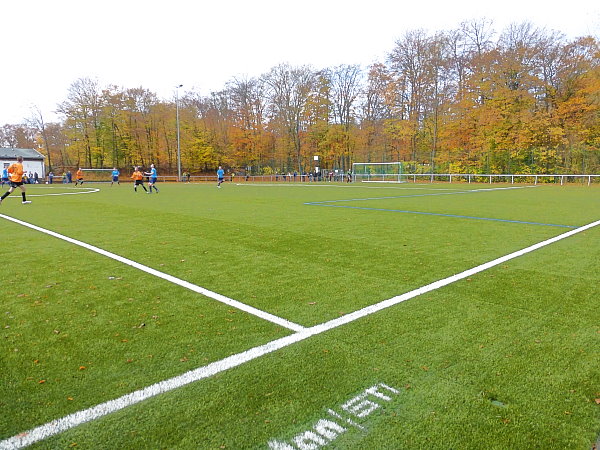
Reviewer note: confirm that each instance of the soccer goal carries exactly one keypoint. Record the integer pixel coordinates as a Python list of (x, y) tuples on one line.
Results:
[(389, 172), (97, 175)]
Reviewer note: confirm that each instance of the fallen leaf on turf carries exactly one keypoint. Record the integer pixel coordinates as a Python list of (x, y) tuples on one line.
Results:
[(41, 381), (82, 367), (597, 401), (70, 399)]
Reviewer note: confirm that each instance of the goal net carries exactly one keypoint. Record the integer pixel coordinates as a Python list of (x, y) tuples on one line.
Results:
[(390, 172), (96, 175)]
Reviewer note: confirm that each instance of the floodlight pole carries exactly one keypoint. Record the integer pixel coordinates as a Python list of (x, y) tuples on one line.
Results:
[(178, 140)]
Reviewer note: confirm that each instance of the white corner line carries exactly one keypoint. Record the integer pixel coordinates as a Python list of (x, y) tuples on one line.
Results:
[(72, 420), (178, 281)]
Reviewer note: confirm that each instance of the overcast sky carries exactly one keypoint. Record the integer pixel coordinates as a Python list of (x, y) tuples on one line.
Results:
[(47, 45)]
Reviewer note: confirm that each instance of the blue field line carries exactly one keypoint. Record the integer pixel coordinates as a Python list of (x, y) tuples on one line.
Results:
[(470, 191), (457, 216), (389, 197)]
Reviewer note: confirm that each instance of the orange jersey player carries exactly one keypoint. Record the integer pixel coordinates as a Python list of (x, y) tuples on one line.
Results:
[(79, 177), (15, 172), (138, 179)]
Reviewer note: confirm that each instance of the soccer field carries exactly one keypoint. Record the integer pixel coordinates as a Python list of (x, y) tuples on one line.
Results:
[(301, 316)]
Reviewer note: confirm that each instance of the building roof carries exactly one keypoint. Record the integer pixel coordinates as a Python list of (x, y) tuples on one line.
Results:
[(26, 153)]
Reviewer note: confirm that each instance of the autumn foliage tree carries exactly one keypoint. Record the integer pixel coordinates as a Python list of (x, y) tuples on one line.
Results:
[(525, 100)]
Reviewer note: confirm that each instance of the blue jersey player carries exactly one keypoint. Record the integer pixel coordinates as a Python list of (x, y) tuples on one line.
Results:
[(220, 176), (152, 176), (115, 176), (5, 176)]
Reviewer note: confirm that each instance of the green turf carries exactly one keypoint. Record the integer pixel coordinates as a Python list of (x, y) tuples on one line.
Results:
[(508, 358)]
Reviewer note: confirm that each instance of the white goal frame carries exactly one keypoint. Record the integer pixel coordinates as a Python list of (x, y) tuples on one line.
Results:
[(379, 172)]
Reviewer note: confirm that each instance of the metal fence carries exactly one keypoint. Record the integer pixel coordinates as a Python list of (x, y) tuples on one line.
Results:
[(479, 178), (381, 178)]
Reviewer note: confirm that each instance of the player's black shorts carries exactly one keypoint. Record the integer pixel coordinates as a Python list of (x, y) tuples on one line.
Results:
[(138, 182), (16, 184)]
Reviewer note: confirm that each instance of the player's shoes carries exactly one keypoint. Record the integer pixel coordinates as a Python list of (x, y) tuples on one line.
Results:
[(26, 202)]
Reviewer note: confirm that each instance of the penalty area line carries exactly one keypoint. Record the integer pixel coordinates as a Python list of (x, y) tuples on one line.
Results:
[(178, 281), (72, 420)]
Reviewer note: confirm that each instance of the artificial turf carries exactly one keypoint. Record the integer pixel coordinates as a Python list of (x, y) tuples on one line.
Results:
[(508, 358)]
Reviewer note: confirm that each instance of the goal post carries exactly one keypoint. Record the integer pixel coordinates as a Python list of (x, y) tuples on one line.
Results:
[(387, 172)]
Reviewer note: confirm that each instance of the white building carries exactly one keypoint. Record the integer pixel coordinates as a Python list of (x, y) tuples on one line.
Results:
[(33, 161)]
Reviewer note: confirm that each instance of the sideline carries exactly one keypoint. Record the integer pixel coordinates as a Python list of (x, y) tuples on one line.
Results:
[(72, 420)]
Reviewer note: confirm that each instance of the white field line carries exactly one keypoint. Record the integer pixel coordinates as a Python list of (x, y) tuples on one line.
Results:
[(72, 420), (88, 191), (192, 287)]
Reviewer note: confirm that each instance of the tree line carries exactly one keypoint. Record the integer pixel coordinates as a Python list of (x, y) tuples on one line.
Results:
[(469, 100)]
